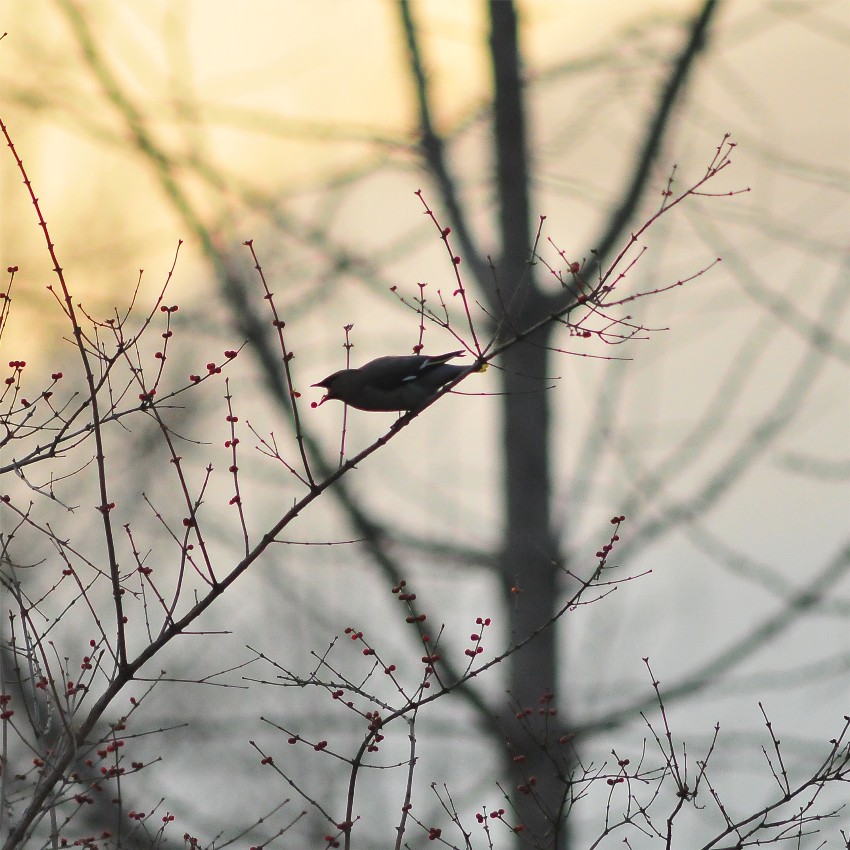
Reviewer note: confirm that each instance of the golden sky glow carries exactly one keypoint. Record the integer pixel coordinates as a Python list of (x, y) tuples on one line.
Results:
[(291, 122)]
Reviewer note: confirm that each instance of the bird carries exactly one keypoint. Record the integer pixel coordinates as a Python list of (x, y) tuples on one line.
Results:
[(392, 383)]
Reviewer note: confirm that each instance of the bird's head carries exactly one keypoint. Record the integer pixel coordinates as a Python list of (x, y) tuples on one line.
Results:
[(332, 385)]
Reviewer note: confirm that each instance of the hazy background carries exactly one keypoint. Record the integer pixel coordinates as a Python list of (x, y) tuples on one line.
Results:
[(291, 124)]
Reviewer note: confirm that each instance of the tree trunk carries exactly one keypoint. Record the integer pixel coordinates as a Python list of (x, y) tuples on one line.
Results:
[(531, 580), (529, 556)]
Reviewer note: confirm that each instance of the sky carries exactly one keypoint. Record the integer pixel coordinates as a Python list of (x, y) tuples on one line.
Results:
[(276, 96)]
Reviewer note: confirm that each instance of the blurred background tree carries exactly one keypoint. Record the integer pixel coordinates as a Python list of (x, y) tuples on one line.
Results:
[(307, 127)]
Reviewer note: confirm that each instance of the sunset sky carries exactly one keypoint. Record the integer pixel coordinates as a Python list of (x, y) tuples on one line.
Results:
[(292, 123)]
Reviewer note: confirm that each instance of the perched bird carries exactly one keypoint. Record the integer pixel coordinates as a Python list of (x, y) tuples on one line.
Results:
[(392, 383)]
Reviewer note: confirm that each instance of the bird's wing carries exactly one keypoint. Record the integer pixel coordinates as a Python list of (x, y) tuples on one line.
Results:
[(387, 373)]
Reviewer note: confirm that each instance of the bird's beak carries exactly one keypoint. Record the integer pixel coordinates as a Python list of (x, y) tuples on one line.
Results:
[(325, 396)]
